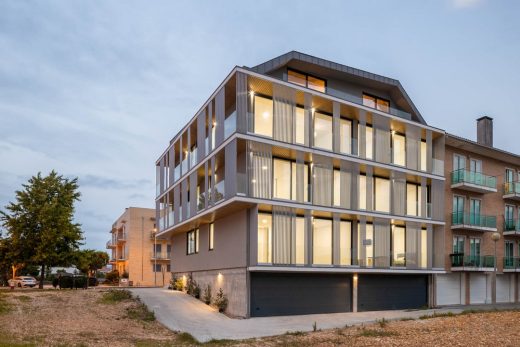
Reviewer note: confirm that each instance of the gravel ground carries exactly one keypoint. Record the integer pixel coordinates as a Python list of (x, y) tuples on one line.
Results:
[(80, 318)]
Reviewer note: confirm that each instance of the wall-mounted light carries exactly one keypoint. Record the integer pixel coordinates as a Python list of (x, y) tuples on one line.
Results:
[(220, 277), (355, 277), (252, 92), (393, 132)]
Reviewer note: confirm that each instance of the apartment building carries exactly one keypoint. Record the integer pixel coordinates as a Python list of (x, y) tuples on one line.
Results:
[(482, 201), (306, 186), (137, 250)]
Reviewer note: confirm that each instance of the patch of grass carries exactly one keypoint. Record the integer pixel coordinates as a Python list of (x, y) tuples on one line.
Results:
[(9, 341), (294, 333), (382, 322), (405, 319), (23, 298), (5, 307), (140, 312), (187, 339), (376, 333), (114, 296), (438, 315)]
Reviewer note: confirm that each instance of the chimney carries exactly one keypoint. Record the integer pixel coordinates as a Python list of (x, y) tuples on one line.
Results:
[(485, 131)]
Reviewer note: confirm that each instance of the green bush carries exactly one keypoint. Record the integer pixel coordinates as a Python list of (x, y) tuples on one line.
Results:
[(116, 295), (221, 301), (112, 277), (72, 282), (177, 283), (207, 295)]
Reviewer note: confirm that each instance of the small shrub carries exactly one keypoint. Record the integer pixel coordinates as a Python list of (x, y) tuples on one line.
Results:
[(125, 274), (437, 315), (112, 277), (314, 326), (196, 290), (140, 312), (115, 296), (376, 333), (382, 322), (187, 339), (179, 284), (221, 301), (72, 282), (207, 295)]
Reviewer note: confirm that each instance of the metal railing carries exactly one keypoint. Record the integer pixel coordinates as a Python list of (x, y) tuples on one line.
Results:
[(461, 260), (473, 219), (512, 225), (476, 178), (512, 263), (160, 255), (511, 188)]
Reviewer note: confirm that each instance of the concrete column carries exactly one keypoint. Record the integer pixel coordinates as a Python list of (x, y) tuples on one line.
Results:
[(467, 286), (515, 286), (354, 292)]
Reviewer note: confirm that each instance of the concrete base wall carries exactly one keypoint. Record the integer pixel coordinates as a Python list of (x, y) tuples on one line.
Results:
[(232, 281)]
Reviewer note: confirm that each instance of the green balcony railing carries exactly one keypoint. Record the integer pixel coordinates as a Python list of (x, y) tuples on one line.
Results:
[(512, 225), (461, 260), (511, 263), (473, 219), (511, 188), (476, 178)]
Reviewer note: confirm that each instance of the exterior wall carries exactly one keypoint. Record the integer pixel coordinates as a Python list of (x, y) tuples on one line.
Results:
[(137, 248), (229, 249), (233, 283)]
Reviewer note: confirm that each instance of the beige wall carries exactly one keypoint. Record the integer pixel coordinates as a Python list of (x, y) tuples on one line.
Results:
[(139, 223), (230, 235), (492, 204)]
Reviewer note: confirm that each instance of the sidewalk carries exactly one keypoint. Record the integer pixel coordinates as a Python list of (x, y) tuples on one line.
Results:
[(180, 312)]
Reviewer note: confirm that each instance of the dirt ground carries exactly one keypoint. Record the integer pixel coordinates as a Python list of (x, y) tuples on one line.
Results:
[(82, 318)]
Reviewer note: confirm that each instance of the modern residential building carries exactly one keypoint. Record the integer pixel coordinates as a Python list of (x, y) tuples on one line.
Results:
[(137, 250), (306, 186), (482, 199)]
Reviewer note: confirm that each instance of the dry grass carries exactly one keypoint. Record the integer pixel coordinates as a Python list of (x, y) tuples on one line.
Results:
[(88, 318)]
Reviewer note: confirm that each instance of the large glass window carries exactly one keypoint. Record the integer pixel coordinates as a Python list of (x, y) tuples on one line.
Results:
[(367, 243), (362, 192), (398, 246), (300, 241), (345, 243), (424, 249), (424, 155), (345, 136), (322, 131), (263, 116), (193, 241), (282, 179), (300, 126), (211, 236), (398, 149), (322, 242), (305, 181), (375, 102), (369, 142), (305, 80), (337, 188), (413, 198), (264, 238), (382, 194)]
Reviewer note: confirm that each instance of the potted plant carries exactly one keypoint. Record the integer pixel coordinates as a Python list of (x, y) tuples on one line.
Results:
[(221, 301)]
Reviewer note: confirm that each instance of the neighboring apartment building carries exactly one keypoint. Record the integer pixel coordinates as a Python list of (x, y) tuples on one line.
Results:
[(482, 198), (137, 250), (306, 186)]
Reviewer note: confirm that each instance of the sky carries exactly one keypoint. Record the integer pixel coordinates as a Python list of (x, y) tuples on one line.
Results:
[(96, 89)]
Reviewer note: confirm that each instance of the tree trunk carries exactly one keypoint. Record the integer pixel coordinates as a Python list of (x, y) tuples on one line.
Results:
[(42, 277)]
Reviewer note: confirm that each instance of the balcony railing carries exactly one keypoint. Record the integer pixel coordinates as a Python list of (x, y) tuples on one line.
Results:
[(160, 255), (472, 261), (110, 244), (512, 190), (473, 220), (475, 178), (511, 263), (512, 225)]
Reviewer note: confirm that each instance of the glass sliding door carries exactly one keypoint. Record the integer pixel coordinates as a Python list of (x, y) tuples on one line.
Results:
[(458, 251), (474, 252), (263, 116), (474, 212), (345, 243), (264, 238), (345, 135), (509, 221), (398, 245), (322, 131), (300, 126), (382, 194), (458, 210), (508, 254), (282, 179), (322, 242), (398, 149), (300, 241)]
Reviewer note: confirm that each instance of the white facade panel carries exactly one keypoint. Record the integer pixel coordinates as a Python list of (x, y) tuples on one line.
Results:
[(451, 289)]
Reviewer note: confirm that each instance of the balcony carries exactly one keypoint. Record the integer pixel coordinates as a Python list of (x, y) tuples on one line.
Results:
[(160, 255), (473, 181), (472, 221), (512, 191), (121, 237), (512, 227), (511, 264), (110, 245), (461, 262)]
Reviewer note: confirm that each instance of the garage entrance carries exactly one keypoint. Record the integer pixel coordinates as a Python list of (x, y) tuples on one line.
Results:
[(278, 294)]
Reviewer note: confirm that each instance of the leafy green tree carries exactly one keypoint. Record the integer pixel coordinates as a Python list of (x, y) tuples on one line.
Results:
[(41, 224), (89, 261)]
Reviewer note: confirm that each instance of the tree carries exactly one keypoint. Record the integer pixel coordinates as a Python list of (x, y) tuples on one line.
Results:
[(40, 224), (89, 261)]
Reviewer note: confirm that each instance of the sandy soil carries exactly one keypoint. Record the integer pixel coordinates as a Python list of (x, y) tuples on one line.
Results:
[(80, 318)]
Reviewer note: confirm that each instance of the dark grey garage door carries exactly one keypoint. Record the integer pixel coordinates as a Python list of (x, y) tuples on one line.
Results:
[(276, 294), (392, 292)]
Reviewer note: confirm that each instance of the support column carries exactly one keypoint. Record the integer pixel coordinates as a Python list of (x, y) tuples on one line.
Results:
[(354, 292)]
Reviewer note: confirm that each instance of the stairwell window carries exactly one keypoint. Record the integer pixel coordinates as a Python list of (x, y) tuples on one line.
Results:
[(306, 80)]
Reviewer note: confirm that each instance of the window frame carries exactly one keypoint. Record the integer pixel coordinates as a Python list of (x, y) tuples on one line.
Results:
[(195, 240), (307, 75), (376, 98)]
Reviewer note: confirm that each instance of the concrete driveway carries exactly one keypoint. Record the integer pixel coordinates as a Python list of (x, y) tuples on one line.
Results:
[(181, 312)]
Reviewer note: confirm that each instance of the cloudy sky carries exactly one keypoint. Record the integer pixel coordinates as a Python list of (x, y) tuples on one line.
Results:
[(96, 89)]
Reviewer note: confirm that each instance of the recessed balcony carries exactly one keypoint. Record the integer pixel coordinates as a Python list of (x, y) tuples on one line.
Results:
[(472, 221), (512, 191), (511, 264), (160, 256), (512, 227), (473, 181), (461, 262)]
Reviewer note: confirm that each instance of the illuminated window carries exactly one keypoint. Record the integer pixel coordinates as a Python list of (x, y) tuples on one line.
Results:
[(367, 243), (345, 243), (300, 241), (282, 179), (369, 141), (362, 192), (424, 249), (398, 246), (322, 131), (423, 155), (305, 80), (337, 188), (193, 241), (263, 117), (382, 194), (322, 242), (264, 238), (300, 126), (294, 183), (398, 149), (377, 103), (345, 136), (413, 199), (211, 236)]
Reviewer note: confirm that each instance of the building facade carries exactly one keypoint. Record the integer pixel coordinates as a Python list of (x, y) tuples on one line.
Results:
[(482, 199), (137, 250), (306, 186)]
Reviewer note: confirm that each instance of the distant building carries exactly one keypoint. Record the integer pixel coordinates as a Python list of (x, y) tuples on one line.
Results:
[(137, 251)]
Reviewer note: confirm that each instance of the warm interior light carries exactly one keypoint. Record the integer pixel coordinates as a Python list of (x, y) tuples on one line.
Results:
[(393, 132), (253, 180), (252, 93), (265, 114), (264, 167), (355, 277), (264, 221), (313, 109)]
